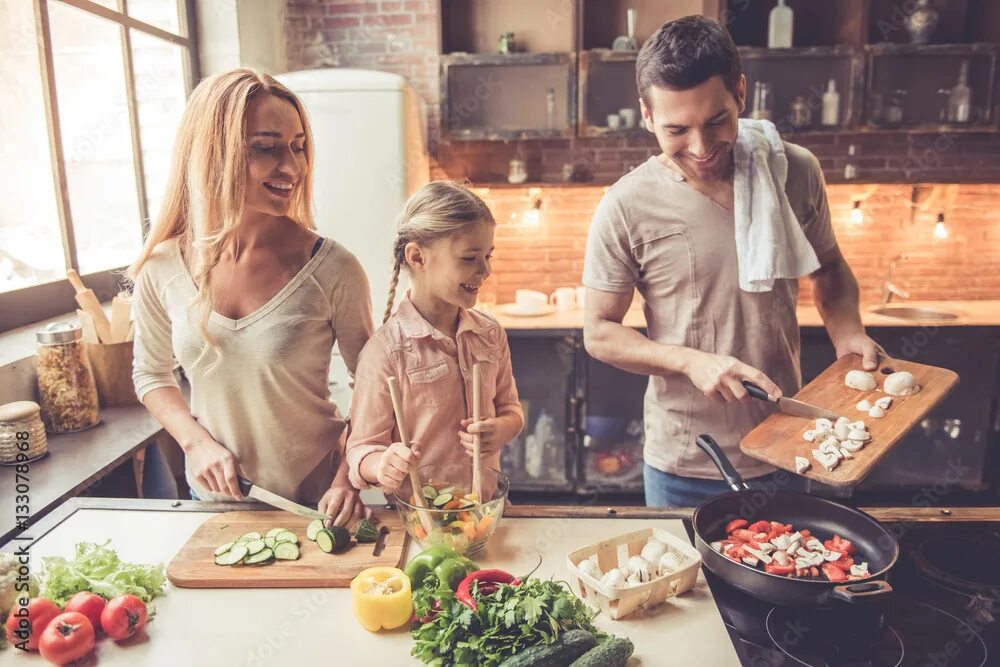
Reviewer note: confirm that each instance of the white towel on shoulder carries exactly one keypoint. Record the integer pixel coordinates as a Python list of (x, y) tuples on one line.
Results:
[(770, 243)]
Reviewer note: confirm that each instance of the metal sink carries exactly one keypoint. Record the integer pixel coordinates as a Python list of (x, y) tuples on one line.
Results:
[(904, 312)]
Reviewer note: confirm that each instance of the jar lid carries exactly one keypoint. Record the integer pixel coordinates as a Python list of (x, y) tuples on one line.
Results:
[(18, 411), (59, 332)]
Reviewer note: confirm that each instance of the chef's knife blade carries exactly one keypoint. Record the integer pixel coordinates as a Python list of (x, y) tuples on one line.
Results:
[(251, 490), (790, 406)]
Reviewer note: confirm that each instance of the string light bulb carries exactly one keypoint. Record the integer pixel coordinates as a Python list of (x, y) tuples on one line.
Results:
[(857, 215), (533, 216), (940, 229)]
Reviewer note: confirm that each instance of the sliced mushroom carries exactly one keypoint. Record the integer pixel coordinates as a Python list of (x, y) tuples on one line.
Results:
[(841, 421), (841, 430), (781, 542), (832, 556), (876, 412), (884, 402), (858, 425), (864, 406), (809, 435), (751, 561), (828, 461), (801, 464), (852, 445), (859, 435), (824, 424), (767, 547), (860, 380), (846, 453)]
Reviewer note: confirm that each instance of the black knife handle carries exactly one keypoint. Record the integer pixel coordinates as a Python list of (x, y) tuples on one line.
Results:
[(245, 485), (756, 391)]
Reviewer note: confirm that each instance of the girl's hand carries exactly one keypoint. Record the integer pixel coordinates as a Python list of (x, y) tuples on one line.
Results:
[(214, 468), (394, 465), (488, 430)]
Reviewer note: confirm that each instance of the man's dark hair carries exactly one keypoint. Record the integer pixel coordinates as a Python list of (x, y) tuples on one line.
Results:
[(685, 53)]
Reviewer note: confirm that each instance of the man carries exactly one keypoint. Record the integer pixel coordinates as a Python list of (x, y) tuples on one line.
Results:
[(667, 228)]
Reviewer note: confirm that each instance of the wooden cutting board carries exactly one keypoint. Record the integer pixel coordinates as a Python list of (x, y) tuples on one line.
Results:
[(194, 565), (778, 439)]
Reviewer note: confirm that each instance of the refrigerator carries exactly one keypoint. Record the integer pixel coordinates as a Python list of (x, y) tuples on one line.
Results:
[(369, 133)]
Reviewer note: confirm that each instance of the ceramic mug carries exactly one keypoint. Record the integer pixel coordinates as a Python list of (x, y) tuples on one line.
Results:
[(628, 117), (614, 121), (563, 298), (527, 299)]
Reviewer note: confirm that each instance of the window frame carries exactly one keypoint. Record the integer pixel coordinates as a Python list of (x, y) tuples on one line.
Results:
[(40, 302)]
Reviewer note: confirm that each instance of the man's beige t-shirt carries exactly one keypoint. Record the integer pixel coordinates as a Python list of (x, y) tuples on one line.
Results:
[(654, 232)]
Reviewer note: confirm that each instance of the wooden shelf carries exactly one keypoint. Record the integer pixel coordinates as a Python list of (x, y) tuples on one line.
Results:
[(475, 26), (604, 20)]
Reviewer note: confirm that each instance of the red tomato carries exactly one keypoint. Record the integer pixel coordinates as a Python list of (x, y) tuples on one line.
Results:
[(844, 563), (774, 568), (28, 623), (123, 617), (760, 527), (69, 637), (88, 604), (735, 524), (833, 573), (840, 544), (741, 535), (804, 533)]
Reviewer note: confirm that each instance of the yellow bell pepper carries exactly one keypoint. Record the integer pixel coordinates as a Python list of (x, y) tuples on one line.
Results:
[(381, 598)]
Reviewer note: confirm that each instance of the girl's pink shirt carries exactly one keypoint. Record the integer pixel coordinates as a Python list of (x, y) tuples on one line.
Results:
[(435, 379)]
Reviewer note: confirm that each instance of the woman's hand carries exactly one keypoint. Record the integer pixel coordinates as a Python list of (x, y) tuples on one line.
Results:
[(342, 502), (214, 467)]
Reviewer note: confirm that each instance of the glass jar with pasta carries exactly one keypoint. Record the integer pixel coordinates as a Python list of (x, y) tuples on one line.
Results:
[(66, 388)]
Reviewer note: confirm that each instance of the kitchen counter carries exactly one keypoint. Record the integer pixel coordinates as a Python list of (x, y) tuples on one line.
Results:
[(74, 462), (281, 626), (985, 313), (312, 626)]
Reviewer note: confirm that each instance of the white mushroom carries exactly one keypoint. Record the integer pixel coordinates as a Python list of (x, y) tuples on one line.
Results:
[(864, 406), (824, 424), (860, 570), (841, 421), (858, 426), (901, 384), (828, 445), (767, 547), (801, 464), (884, 402), (859, 436), (809, 436), (860, 380), (876, 412), (832, 556), (653, 550), (828, 461), (781, 542), (846, 453), (751, 561), (716, 545), (634, 580), (669, 562), (842, 430), (852, 445), (614, 578), (641, 568), (590, 568), (781, 558)]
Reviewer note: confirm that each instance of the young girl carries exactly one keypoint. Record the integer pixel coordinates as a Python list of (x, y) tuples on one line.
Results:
[(445, 241)]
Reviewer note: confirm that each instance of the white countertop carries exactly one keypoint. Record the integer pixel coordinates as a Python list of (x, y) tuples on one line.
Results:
[(250, 627)]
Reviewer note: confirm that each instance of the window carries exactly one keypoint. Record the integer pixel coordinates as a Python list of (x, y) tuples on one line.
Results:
[(93, 93)]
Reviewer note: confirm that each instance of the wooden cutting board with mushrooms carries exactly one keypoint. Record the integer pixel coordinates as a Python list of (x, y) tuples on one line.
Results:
[(877, 409)]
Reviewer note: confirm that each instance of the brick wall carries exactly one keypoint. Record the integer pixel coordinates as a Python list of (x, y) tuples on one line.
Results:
[(898, 219)]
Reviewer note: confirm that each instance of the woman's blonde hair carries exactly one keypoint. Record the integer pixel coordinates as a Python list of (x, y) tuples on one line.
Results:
[(436, 211), (205, 193)]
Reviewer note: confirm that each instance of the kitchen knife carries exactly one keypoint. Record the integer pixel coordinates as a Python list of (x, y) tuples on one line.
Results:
[(789, 405), (251, 490)]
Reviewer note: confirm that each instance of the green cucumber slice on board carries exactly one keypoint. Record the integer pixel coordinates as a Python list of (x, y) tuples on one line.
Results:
[(286, 551), (269, 542), (286, 536), (255, 546), (233, 556), (259, 557), (253, 535), (365, 532), (314, 527), (274, 531), (333, 539), (224, 548)]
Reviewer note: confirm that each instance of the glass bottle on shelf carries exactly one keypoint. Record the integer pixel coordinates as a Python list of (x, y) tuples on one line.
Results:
[(761, 101), (779, 26), (831, 105), (550, 108), (960, 97)]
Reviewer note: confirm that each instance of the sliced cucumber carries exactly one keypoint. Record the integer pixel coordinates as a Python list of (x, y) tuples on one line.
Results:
[(286, 536), (333, 539), (224, 548), (447, 489), (430, 493), (255, 546), (286, 551), (274, 531), (314, 527), (233, 556), (269, 542), (260, 557), (250, 536), (442, 499), (325, 541), (365, 532)]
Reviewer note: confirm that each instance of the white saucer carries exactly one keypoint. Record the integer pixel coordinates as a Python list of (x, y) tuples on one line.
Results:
[(517, 310)]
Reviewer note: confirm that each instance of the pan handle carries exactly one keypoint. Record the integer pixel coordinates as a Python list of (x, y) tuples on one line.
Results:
[(757, 392), (708, 445), (862, 592)]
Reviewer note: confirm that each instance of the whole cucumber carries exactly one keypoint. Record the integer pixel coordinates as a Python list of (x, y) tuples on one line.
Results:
[(560, 653), (613, 652)]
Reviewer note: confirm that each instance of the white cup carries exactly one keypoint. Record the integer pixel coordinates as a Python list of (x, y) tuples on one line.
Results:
[(581, 292), (614, 121), (628, 117), (564, 298), (528, 299)]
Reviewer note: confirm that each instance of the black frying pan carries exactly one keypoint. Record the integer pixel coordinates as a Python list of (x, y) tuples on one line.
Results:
[(824, 518)]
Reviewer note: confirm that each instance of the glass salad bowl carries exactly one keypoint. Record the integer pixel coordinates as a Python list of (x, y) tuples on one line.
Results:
[(454, 516)]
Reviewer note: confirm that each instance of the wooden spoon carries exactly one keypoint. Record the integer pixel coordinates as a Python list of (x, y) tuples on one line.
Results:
[(404, 437), (477, 468)]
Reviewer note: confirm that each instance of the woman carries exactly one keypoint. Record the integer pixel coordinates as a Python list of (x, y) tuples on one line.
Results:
[(236, 285)]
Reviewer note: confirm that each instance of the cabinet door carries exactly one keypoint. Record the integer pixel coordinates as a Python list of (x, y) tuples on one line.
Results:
[(611, 421), (542, 456)]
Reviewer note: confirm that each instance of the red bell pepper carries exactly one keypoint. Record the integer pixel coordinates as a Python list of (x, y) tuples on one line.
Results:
[(736, 524), (844, 563), (760, 527), (774, 568), (833, 573), (840, 544), (489, 581), (741, 535)]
